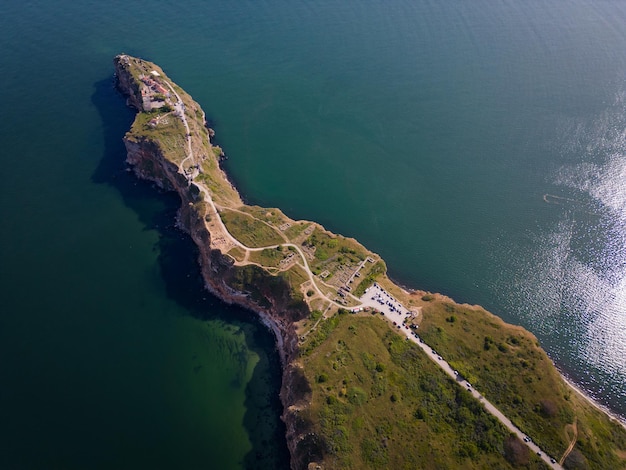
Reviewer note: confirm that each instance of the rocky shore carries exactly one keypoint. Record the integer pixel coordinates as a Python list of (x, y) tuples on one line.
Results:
[(150, 161)]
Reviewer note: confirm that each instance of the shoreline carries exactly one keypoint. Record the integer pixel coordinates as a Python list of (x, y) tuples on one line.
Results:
[(221, 255), (591, 400)]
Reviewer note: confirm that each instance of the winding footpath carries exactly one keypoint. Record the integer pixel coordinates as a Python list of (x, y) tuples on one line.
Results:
[(572, 443)]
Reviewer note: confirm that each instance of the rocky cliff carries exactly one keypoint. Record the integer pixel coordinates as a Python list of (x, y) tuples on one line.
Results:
[(273, 301)]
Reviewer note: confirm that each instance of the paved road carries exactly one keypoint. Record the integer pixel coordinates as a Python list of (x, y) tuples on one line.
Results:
[(381, 300)]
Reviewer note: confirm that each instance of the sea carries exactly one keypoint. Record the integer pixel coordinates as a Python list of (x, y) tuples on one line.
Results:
[(479, 147)]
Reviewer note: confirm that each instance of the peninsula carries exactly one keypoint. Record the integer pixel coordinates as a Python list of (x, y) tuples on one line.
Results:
[(374, 376)]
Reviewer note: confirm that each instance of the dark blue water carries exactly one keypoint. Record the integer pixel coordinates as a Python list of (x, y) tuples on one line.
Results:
[(479, 147)]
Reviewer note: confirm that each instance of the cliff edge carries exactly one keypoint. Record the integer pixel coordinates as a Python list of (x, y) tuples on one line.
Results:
[(360, 391), (170, 145)]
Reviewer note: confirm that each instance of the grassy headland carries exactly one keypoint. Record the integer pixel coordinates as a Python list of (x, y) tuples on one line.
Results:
[(376, 399)]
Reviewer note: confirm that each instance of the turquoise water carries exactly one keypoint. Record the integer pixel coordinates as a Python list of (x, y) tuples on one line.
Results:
[(430, 131)]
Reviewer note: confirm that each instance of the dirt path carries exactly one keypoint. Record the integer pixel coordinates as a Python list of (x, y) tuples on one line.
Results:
[(571, 444)]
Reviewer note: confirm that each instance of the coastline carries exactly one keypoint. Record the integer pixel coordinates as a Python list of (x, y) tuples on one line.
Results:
[(592, 401), (271, 272)]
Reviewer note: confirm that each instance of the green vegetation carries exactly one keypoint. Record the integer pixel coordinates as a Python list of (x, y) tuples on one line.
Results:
[(320, 335), (379, 402), (316, 315), (271, 216), (217, 151), (374, 273), (296, 229), (270, 257), (506, 364), (250, 231), (169, 132), (237, 253), (267, 290), (221, 192), (329, 246), (295, 276)]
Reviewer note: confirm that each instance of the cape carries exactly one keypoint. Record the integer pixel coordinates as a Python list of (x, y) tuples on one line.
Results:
[(370, 370)]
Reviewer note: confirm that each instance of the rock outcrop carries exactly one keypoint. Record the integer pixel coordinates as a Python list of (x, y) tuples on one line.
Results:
[(273, 302)]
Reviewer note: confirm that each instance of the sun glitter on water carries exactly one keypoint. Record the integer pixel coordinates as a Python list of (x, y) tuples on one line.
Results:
[(593, 248), (571, 283)]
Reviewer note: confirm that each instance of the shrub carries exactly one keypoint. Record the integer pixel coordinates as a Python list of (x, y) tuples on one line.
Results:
[(375, 453), (575, 461), (513, 340), (548, 408), (468, 449), (316, 315), (357, 395), (515, 451)]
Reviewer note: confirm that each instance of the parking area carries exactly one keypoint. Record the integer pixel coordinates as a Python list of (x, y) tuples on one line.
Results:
[(379, 299)]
